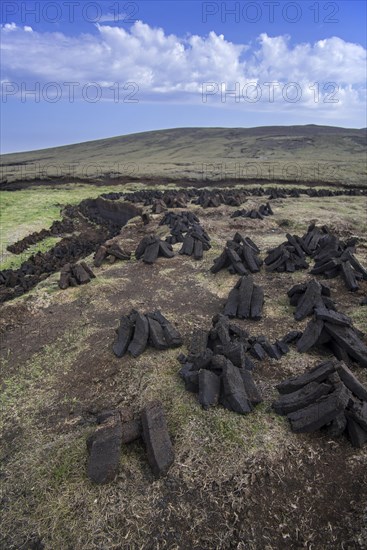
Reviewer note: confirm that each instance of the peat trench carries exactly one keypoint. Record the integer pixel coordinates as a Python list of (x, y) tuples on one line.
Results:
[(83, 229)]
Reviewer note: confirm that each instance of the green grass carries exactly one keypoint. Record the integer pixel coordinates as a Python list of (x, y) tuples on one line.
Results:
[(65, 462), (28, 210)]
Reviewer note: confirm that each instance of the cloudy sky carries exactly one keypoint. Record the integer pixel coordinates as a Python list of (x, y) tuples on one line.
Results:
[(74, 71)]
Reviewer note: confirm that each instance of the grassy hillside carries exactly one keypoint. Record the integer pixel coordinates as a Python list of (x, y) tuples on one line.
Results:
[(311, 154)]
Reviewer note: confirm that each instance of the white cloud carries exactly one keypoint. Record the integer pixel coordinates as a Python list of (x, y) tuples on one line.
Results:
[(9, 27), (331, 59), (169, 68)]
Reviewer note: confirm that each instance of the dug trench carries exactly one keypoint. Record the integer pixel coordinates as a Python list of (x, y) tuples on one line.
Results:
[(83, 229), (237, 482)]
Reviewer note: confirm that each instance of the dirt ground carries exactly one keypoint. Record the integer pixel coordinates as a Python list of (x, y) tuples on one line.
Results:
[(238, 482)]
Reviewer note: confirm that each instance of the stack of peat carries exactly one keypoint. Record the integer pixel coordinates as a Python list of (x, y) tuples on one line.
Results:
[(136, 331), (195, 242), (176, 199), (263, 211), (287, 257), (110, 252), (311, 239), (216, 197), (119, 427), (277, 193), (227, 342), (240, 255), (158, 206), (334, 257), (260, 347), (230, 197), (309, 296), (185, 228), (233, 198), (327, 327), (23, 244), (75, 274), (179, 223), (328, 396), (208, 199), (151, 247), (282, 193), (245, 300), (220, 374), (171, 199)]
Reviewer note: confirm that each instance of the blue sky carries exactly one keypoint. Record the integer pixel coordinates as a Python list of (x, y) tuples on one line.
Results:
[(100, 69)]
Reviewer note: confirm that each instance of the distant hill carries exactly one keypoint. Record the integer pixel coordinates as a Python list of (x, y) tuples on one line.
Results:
[(310, 154)]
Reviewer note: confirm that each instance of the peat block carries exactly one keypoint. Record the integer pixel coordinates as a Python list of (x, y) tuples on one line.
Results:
[(335, 330), (328, 396), (357, 435), (104, 448), (171, 334), (136, 331), (209, 388), (124, 334), (234, 395), (156, 437), (303, 397), (245, 300), (321, 412), (141, 335), (75, 274), (117, 427), (221, 373), (151, 247), (240, 255), (316, 374)]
